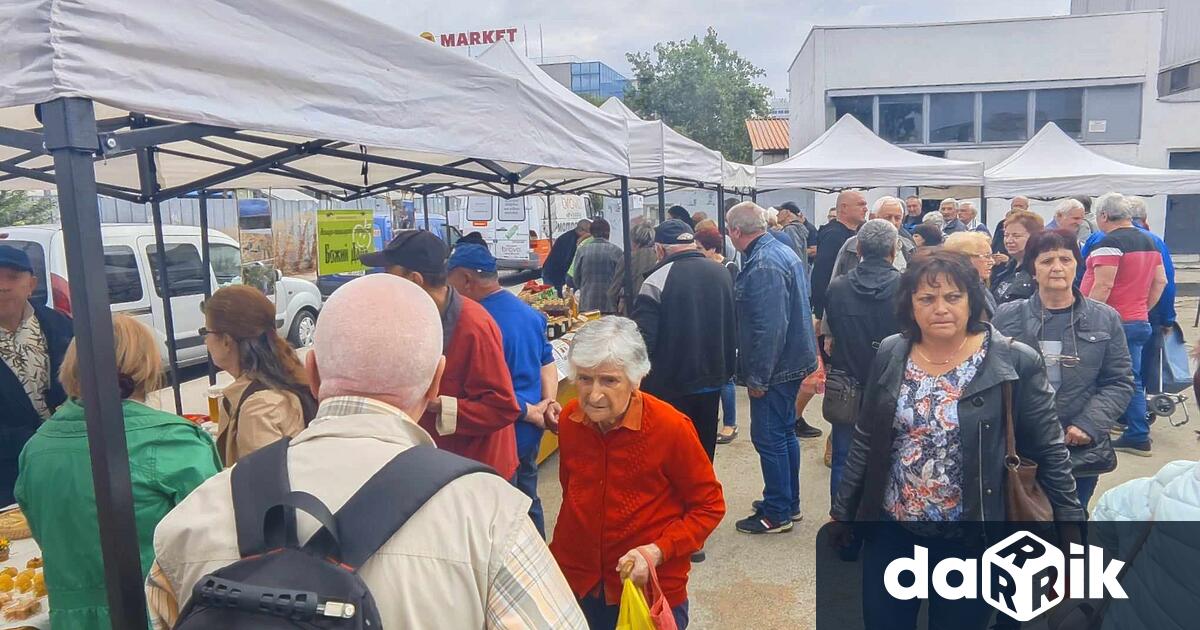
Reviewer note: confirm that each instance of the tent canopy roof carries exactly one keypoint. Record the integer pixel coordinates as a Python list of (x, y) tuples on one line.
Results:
[(848, 155), (1053, 165), (738, 176), (656, 150), (321, 73)]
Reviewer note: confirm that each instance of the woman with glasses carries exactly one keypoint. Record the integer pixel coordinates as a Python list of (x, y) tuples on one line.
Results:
[(977, 247), (270, 397), (1087, 361), (1012, 280)]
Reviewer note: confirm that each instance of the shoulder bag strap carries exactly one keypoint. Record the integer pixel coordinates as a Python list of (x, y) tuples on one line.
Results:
[(258, 482), (1010, 439), (389, 498)]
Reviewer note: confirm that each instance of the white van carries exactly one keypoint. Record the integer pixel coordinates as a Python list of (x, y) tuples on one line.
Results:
[(131, 266)]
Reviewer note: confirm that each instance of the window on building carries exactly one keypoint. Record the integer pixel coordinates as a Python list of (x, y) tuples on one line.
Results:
[(861, 107), (951, 118), (1179, 79), (121, 270), (185, 273), (902, 118), (226, 263), (1062, 107), (1114, 113), (1005, 116)]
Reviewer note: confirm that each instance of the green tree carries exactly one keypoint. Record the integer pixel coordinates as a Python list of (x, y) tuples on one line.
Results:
[(701, 88), (18, 208)]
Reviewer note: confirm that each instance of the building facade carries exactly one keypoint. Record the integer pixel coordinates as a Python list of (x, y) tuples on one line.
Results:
[(593, 79), (979, 90)]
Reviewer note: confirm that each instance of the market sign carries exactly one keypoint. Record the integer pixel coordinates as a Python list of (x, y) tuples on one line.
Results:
[(473, 38), (343, 236)]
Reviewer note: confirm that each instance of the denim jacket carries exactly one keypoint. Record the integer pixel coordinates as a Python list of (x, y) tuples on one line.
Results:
[(776, 341)]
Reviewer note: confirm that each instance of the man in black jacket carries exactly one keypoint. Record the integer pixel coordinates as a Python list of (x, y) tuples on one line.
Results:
[(33, 340), (861, 313), (554, 271), (685, 312)]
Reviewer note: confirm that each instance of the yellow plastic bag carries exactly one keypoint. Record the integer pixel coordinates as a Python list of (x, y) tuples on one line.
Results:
[(635, 613)]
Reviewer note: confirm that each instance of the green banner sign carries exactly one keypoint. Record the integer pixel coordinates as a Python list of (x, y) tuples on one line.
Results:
[(343, 236)]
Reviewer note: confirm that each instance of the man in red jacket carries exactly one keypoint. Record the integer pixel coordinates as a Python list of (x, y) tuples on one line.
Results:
[(475, 412)]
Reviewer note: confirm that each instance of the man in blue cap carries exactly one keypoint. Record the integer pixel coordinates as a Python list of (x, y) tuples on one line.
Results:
[(472, 272), (33, 340)]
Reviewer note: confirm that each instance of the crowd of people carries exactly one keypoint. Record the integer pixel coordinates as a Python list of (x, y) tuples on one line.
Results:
[(940, 350)]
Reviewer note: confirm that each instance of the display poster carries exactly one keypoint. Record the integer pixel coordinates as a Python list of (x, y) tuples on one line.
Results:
[(562, 348), (343, 236), (565, 212), (257, 243), (612, 214), (512, 209)]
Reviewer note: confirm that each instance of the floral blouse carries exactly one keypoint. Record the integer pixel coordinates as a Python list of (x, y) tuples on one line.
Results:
[(926, 477)]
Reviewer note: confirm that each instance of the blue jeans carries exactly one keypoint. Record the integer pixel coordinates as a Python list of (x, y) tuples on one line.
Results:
[(1085, 487), (841, 436), (601, 616), (526, 481), (729, 404), (1137, 429), (773, 433)]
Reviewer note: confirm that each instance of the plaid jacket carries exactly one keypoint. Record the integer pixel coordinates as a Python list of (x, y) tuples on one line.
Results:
[(595, 268)]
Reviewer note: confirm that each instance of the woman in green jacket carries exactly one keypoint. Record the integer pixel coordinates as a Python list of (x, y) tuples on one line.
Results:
[(168, 458)]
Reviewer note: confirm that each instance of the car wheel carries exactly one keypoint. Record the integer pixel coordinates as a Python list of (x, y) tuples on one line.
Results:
[(301, 335)]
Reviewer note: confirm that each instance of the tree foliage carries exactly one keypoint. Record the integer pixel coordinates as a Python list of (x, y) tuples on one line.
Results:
[(702, 89), (18, 208)]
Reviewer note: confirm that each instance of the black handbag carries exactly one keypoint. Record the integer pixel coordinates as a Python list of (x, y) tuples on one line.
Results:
[(1094, 459), (843, 397)]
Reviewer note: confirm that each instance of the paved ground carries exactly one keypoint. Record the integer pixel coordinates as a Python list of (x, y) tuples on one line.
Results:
[(768, 581)]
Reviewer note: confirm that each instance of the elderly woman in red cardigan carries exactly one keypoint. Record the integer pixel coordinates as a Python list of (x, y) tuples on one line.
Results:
[(634, 477)]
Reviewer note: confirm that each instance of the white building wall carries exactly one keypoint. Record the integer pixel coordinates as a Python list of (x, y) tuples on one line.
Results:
[(1025, 53)]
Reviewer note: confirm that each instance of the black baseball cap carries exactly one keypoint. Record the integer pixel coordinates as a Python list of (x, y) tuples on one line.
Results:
[(674, 232), (14, 258), (415, 250), (790, 206)]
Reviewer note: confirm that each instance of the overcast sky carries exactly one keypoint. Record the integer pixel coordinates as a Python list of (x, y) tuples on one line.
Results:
[(767, 32)]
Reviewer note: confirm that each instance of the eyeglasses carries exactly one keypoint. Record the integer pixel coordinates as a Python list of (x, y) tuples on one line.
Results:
[(204, 332)]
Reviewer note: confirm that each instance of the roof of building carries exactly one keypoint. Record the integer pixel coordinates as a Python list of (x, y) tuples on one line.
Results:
[(768, 134)]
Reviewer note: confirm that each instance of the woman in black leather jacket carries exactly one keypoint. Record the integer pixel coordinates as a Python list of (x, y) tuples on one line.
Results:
[(1013, 280), (929, 445), (1083, 345)]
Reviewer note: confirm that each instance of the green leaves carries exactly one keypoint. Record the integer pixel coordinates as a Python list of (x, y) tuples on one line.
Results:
[(18, 208), (701, 88)]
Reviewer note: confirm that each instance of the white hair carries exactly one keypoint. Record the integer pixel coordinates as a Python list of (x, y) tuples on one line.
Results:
[(747, 217), (610, 340), (1137, 207), (1113, 205), (364, 347), (935, 218), (1067, 205), (886, 200), (877, 237), (949, 200)]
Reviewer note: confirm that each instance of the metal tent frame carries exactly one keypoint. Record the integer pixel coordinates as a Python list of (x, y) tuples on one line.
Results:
[(75, 141)]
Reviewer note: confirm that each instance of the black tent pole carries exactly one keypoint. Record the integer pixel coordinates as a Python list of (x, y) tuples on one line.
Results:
[(71, 138), (662, 196), (425, 208), (148, 173), (628, 245), (206, 262), (983, 205), (549, 217), (721, 210)]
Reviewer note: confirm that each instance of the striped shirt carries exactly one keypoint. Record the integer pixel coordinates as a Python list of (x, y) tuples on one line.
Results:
[(1137, 259)]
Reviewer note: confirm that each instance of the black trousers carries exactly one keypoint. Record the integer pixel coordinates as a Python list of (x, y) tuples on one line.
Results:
[(703, 410)]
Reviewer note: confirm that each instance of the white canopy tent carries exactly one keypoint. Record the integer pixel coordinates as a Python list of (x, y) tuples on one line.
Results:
[(657, 151), (848, 155), (1053, 165), (737, 176), (394, 103), (122, 98)]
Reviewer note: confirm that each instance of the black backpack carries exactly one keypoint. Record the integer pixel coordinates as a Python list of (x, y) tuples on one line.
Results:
[(280, 584)]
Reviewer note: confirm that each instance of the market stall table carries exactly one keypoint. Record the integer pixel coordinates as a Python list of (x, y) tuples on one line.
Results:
[(21, 552)]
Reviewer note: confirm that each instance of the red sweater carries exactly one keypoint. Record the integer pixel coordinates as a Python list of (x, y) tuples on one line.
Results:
[(646, 481), (477, 376)]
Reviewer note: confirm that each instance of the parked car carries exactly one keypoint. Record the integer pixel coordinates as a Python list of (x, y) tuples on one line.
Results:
[(131, 267)]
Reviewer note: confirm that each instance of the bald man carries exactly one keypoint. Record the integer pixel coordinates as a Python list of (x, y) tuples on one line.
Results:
[(376, 364)]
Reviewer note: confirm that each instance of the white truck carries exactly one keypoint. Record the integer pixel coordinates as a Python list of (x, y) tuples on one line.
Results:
[(131, 267)]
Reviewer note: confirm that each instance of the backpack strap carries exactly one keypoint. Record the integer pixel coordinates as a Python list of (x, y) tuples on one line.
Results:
[(259, 482), (389, 498)]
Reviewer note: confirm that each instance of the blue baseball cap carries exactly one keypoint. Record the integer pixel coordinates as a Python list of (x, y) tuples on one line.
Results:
[(14, 258), (472, 256)]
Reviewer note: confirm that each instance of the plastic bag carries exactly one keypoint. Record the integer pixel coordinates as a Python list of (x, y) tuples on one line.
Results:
[(635, 613)]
